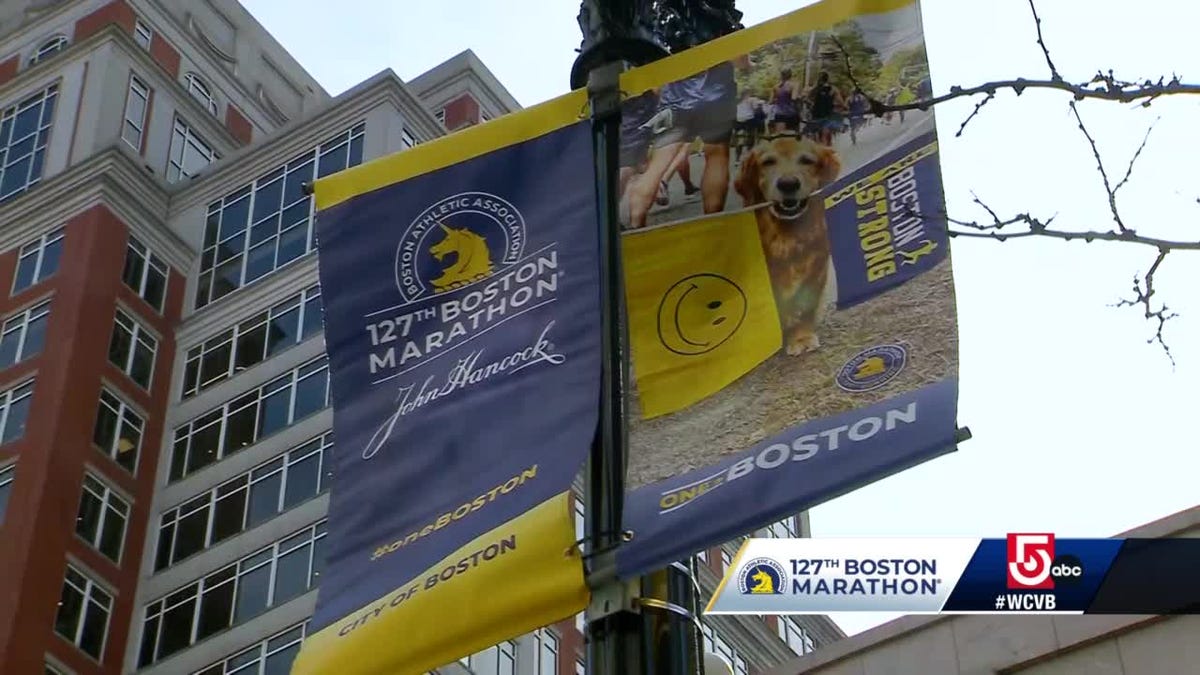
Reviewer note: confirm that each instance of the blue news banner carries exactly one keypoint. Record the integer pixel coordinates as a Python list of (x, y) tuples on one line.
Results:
[(1025, 573)]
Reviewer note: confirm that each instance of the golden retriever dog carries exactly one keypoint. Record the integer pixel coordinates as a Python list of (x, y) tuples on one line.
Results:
[(786, 174)]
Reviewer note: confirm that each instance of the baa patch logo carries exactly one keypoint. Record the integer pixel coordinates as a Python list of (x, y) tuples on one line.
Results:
[(872, 368), (762, 576), (457, 241)]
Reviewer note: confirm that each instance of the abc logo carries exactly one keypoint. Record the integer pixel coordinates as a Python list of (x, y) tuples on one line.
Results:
[(1067, 570)]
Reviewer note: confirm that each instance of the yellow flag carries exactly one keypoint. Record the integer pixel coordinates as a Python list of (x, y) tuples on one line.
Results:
[(701, 310)]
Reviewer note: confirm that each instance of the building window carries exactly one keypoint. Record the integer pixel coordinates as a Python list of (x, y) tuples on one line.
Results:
[(136, 104), (83, 613), (726, 560), (715, 644), (547, 645), (142, 34), (250, 417), (201, 92), (498, 659), (581, 623), (189, 153), (132, 349), (23, 335), (233, 595), (265, 225), (440, 115), (14, 411), (270, 657), (703, 556), (145, 273), (49, 48), (483, 116), (784, 529), (407, 138), (38, 260), (24, 132), (7, 475), (252, 341), (51, 670), (102, 518), (794, 636), (580, 668), (244, 502), (118, 431)]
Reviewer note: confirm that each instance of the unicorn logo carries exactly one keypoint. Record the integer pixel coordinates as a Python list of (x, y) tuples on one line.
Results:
[(765, 584), (871, 367), (456, 241), (762, 576), (472, 260)]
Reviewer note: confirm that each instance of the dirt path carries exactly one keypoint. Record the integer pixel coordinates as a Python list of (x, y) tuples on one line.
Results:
[(786, 390)]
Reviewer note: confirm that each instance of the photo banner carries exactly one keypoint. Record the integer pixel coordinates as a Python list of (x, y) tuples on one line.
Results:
[(791, 302), (461, 287)]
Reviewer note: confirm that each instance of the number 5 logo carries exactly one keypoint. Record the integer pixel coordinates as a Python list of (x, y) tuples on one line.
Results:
[(1030, 557)]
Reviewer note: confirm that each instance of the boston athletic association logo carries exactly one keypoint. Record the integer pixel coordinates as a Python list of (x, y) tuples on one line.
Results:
[(456, 242), (872, 368), (762, 576)]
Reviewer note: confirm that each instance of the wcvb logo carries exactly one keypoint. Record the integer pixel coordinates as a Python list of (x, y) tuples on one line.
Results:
[(1030, 557), (1032, 564)]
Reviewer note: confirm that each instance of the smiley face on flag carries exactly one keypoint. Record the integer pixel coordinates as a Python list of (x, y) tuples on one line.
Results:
[(699, 313)]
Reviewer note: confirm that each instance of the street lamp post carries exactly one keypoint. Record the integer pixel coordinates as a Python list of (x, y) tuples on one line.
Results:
[(618, 34)]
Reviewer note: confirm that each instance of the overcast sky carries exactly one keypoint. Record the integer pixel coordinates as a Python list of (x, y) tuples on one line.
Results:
[(1080, 427)]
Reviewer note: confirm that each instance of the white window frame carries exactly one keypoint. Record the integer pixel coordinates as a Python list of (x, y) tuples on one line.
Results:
[(38, 248), (90, 588), (264, 652), (307, 300), (794, 636), (170, 518), (407, 138), (48, 47), (125, 414), (110, 503), (10, 397), (702, 555), (242, 568), (20, 323), (726, 560), (547, 642), (440, 116), (306, 166), (201, 91), (138, 335), (138, 90), (150, 262), (783, 529), (8, 474), (142, 33), (318, 367), (183, 138)]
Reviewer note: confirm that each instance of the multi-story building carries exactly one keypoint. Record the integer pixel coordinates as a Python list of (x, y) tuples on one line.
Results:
[(164, 406)]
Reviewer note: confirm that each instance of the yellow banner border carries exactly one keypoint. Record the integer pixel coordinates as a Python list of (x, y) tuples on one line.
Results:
[(819, 16), (573, 107)]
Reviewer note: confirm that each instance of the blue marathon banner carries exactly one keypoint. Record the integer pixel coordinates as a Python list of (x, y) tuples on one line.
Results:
[(461, 291), (791, 299)]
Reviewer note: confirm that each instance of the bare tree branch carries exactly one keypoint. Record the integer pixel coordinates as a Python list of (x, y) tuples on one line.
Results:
[(1142, 298), (1104, 87)]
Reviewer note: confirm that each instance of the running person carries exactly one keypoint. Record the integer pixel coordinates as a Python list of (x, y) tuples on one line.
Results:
[(787, 104), (635, 140), (703, 106), (826, 102), (749, 121)]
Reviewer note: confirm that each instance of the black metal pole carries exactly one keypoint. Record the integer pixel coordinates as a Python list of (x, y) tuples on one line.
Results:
[(617, 33)]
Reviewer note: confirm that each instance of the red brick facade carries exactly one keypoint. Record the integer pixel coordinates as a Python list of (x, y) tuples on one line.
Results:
[(461, 112), (39, 525), (238, 125)]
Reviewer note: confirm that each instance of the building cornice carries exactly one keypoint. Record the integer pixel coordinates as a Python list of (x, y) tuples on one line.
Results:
[(203, 57), (110, 177), (247, 301), (246, 164), (212, 129)]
